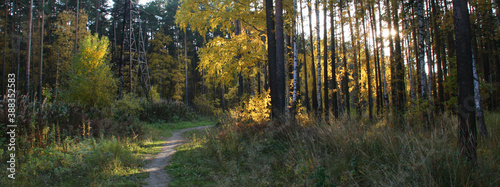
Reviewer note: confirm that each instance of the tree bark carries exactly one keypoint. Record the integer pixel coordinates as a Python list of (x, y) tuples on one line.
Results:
[(326, 106), (28, 46), (466, 111), (477, 100), (40, 74), (295, 55), (333, 57), (345, 81), (77, 20), (313, 71), (368, 70), (306, 88), (186, 79), (280, 62), (382, 56)]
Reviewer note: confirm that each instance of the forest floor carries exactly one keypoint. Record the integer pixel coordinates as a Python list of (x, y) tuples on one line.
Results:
[(155, 168)]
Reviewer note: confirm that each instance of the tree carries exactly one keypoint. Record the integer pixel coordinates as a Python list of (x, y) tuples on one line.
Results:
[(466, 111), (306, 89), (325, 61), (40, 78), (318, 33), (313, 71), (295, 56), (28, 46), (368, 70), (333, 57), (278, 86), (345, 81), (91, 81)]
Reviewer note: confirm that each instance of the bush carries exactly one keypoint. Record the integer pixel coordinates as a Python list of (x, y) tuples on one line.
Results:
[(127, 107), (204, 107), (168, 111)]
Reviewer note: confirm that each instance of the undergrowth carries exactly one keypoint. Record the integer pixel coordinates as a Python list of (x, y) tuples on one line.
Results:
[(344, 152)]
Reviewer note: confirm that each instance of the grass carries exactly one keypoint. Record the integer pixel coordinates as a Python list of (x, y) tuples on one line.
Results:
[(335, 153), (94, 162)]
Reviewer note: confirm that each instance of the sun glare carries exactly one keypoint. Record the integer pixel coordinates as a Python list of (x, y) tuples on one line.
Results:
[(387, 32)]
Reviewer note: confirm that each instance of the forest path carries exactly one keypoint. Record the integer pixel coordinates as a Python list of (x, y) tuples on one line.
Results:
[(156, 168)]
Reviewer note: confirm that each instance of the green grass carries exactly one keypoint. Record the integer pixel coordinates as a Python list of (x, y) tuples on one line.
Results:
[(338, 153), (91, 162)]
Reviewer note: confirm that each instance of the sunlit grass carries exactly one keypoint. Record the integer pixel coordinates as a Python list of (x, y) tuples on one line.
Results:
[(92, 162), (338, 152)]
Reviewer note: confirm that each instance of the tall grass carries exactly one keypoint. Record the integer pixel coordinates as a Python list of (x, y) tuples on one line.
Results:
[(338, 152)]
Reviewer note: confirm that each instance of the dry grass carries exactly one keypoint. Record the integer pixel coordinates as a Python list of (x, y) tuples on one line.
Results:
[(338, 152)]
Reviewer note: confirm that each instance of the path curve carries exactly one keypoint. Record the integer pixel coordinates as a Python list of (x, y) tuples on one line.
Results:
[(156, 168)]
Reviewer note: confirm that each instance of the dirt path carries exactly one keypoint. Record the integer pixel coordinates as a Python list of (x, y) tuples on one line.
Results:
[(156, 168)]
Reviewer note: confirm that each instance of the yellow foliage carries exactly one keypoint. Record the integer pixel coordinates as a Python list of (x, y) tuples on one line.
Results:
[(257, 108), (91, 81), (223, 57)]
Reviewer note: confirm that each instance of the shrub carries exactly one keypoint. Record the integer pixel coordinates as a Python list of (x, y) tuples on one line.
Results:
[(168, 111), (127, 107), (204, 107)]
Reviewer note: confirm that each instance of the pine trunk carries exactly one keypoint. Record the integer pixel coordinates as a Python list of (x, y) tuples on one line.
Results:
[(466, 123), (313, 71), (333, 56)]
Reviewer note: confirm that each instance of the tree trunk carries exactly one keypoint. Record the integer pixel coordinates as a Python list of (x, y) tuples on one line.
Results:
[(382, 56), (466, 111), (326, 106), (306, 88), (477, 100), (345, 81), (397, 72), (333, 56), (280, 62), (40, 74), (28, 46), (4, 51), (295, 54), (186, 79), (356, 70), (313, 73), (77, 19), (368, 71)]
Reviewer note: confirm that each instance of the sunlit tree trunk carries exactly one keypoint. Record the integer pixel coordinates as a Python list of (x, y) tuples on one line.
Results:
[(382, 55), (295, 54)]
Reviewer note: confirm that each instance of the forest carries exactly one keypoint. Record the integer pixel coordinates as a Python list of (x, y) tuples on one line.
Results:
[(286, 92)]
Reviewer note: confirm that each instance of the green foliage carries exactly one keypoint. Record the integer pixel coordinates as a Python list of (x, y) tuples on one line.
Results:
[(127, 107), (202, 105), (164, 110), (91, 81)]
